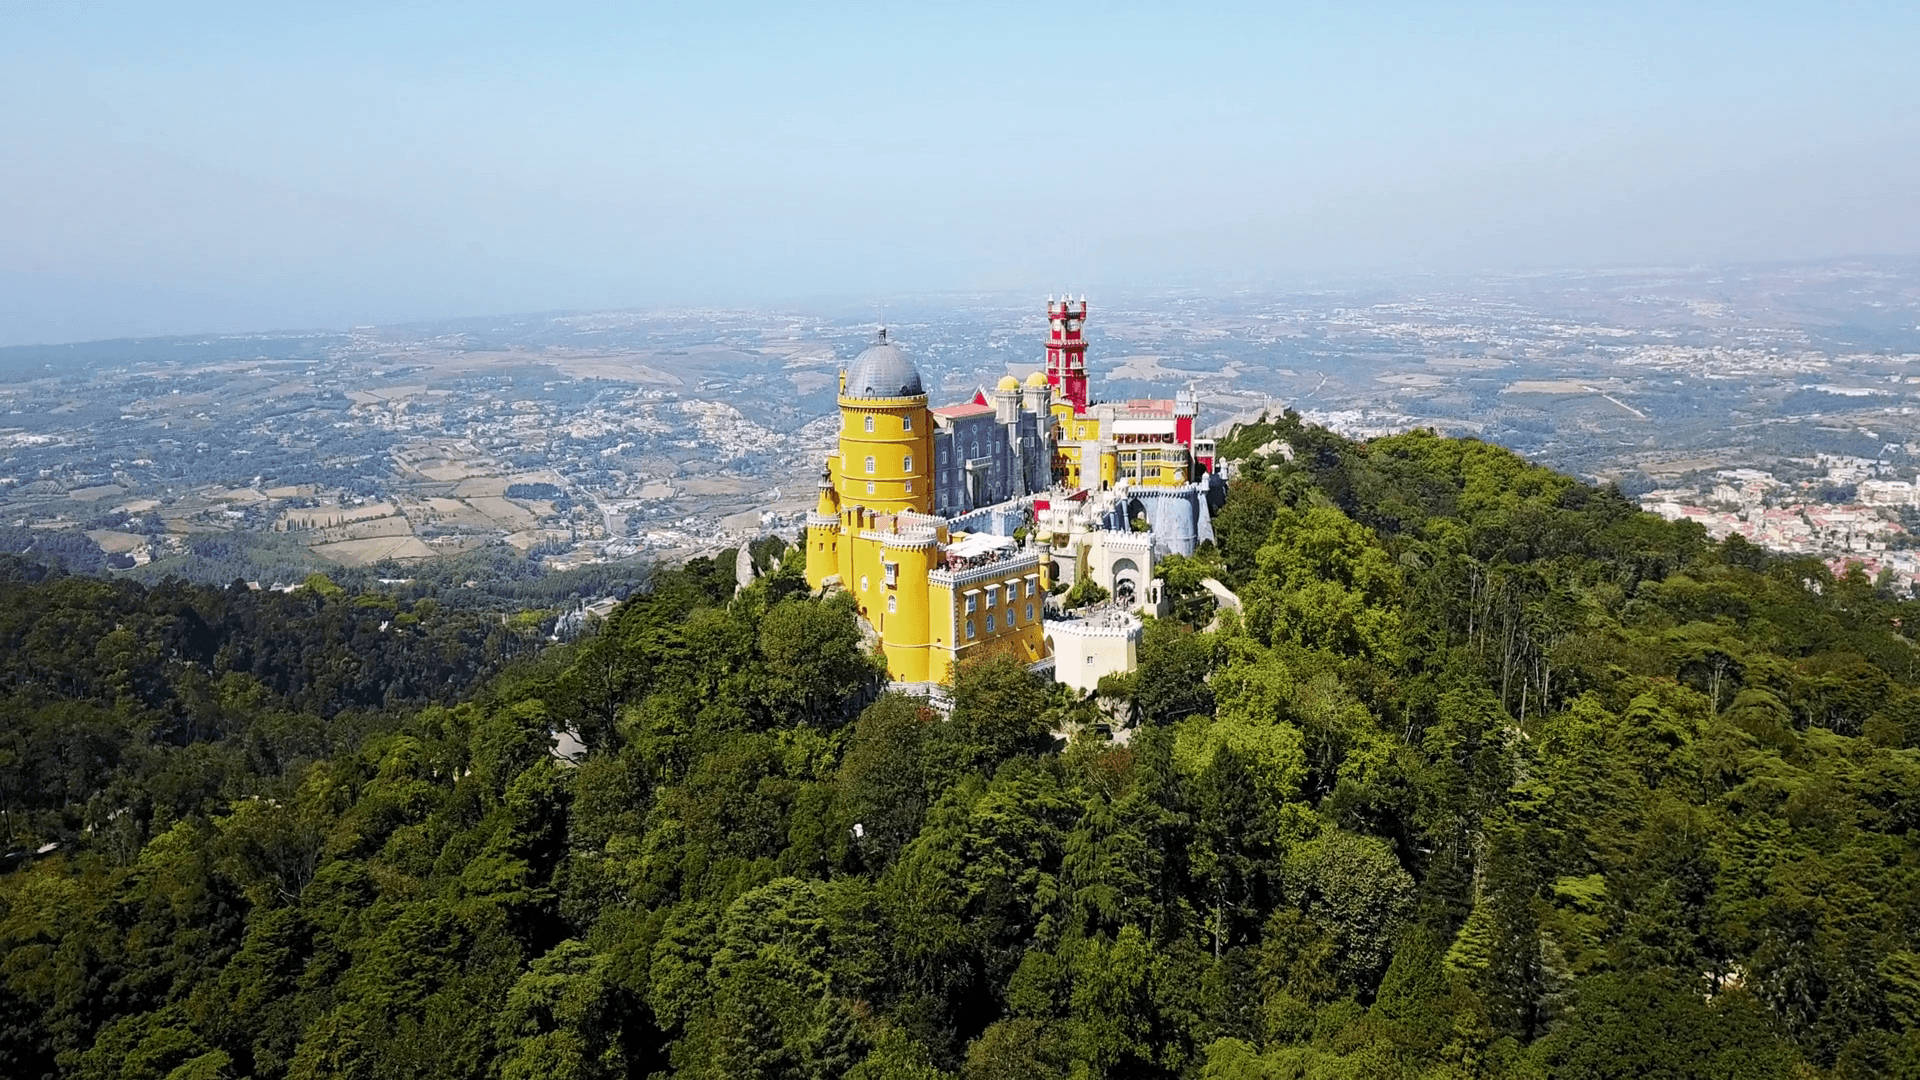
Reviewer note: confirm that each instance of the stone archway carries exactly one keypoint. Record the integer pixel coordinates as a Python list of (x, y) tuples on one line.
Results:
[(1126, 580)]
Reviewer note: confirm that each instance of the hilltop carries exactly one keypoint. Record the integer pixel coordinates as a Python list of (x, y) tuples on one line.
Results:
[(1492, 774)]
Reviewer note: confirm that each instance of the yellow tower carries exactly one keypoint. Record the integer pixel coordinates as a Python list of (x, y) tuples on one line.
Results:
[(886, 436), (902, 616), (823, 532)]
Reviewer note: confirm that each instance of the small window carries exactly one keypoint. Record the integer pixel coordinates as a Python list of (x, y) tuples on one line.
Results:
[(906, 465), (869, 466), (906, 422), (1029, 587), (909, 487), (943, 455), (863, 583), (969, 629), (869, 487), (1029, 612), (893, 604), (971, 600), (869, 423), (989, 624), (1011, 592), (989, 597)]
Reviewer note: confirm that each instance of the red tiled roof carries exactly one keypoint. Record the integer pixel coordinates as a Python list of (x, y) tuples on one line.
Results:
[(965, 408)]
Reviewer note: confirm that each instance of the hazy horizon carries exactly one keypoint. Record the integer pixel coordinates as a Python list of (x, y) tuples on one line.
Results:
[(220, 169)]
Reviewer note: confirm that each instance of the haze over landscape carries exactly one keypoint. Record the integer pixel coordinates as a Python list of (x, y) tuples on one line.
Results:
[(196, 167)]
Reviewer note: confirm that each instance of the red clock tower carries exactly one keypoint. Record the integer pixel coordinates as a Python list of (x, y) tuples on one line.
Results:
[(1067, 350)]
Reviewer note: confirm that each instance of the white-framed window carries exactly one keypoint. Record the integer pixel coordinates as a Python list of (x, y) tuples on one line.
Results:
[(863, 583), (971, 600), (1029, 612), (989, 624), (906, 464), (869, 487), (893, 604), (869, 423), (1012, 591), (969, 629), (943, 455), (906, 422), (909, 487), (989, 596), (869, 465)]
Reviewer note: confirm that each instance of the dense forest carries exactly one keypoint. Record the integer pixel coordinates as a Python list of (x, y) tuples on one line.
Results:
[(1491, 775)]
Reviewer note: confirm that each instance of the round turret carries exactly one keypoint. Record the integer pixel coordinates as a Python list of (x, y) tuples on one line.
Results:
[(1008, 382), (1037, 380)]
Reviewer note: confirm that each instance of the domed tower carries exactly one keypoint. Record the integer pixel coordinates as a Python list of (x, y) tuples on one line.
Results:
[(1006, 400), (1035, 397), (886, 434)]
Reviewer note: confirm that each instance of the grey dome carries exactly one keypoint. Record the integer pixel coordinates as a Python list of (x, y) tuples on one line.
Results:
[(883, 371)]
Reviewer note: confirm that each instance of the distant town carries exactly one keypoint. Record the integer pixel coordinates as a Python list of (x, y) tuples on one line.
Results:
[(1854, 511), (1774, 402)]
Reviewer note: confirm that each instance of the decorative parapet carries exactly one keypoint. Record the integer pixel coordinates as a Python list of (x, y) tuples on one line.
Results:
[(1155, 491), (904, 540), (1129, 542), (823, 521), (1005, 568), (883, 402), (979, 517), (1125, 628)]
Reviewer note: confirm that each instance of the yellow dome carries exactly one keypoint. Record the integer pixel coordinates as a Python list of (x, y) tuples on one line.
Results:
[(1037, 379), (1008, 382)]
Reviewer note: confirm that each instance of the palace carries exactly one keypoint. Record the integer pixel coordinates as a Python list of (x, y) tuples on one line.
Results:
[(952, 526)]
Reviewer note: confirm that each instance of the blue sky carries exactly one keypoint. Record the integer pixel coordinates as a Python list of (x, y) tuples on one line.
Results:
[(169, 167)]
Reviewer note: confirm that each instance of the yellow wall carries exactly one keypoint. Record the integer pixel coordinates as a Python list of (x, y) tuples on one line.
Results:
[(823, 554), (902, 432), (899, 613), (1019, 636), (1147, 463)]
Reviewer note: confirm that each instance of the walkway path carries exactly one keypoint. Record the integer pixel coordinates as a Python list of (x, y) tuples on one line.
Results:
[(1222, 594)]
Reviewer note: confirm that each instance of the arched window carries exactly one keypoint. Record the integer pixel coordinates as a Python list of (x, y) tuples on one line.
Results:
[(869, 423), (909, 487), (869, 487), (863, 583), (893, 604), (989, 624), (906, 422), (906, 465), (869, 466)]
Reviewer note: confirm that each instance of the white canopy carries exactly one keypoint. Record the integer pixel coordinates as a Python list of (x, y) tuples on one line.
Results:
[(974, 545)]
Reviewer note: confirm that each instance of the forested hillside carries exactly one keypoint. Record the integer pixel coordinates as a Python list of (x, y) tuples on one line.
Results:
[(1493, 776)]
